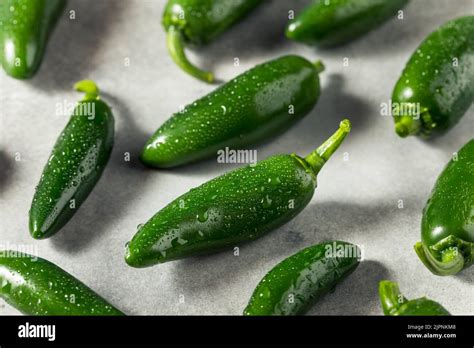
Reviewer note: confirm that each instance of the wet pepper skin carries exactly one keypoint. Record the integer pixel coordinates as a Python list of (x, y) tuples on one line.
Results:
[(447, 226), (335, 22), (75, 165), (439, 77), (299, 281), (253, 107), (197, 22), (25, 27), (239, 206), (35, 286), (395, 304)]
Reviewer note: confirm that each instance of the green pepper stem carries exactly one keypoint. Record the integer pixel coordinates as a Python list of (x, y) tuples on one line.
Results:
[(451, 262), (390, 297), (319, 66), (321, 155), (174, 40), (89, 88), (407, 125)]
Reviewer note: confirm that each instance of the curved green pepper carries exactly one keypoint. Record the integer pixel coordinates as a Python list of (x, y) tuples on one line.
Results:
[(447, 226), (254, 106), (437, 85), (36, 286), (239, 206), (299, 281), (198, 22), (393, 302), (25, 27), (335, 22), (75, 165)]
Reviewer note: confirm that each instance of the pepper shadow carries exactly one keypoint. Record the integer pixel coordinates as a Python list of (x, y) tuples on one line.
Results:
[(262, 32), (355, 295), (72, 47), (333, 106), (113, 196), (207, 273), (6, 169)]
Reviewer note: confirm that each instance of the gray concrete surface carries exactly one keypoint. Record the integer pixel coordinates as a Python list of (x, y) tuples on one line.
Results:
[(357, 199)]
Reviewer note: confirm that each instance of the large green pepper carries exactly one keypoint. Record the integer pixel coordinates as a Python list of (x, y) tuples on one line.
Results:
[(25, 27), (437, 85), (299, 281), (394, 303), (253, 107), (329, 23), (75, 165), (198, 22), (447, 226), (36, 286), (239, 206)]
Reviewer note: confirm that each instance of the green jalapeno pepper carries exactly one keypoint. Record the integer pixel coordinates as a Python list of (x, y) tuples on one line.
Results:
[(299, 281), (75, 165), (197, 22), (239, 206), (253, 107), (25, 27), (335, 22), (437, 85), (36, 286), (447, 226), (393, 302)]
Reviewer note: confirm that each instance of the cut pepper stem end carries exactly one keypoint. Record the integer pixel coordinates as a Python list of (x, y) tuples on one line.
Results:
[(321, 155), (175, 40), (89, 88), (390, 297), (407, 125), (319, 66), (452, 260)]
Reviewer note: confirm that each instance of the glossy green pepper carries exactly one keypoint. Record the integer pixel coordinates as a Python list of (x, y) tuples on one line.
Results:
[(237, 207), (253, 107), (394, 303), (75, 165), (335, 22), (299, 281), (447, 226), (197, 22), (36, 286), (437, 85), (25, 27)]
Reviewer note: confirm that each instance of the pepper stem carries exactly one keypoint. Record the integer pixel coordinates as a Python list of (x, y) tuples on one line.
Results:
[(319, 66), (390, 297), (174, 40), (407, 125), (320, 156), (89, 88), (452, 260)]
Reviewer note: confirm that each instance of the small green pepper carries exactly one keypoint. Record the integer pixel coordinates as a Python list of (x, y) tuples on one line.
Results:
[(25, 27), (393, 302), (239, 206), (36, 286), (255, 106), (331, 23), (299, 281), (75, 165), (447, 226), (197, 22), (437, 85)]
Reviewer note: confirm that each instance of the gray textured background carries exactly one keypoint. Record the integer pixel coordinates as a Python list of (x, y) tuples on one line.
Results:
[(357, 200)]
